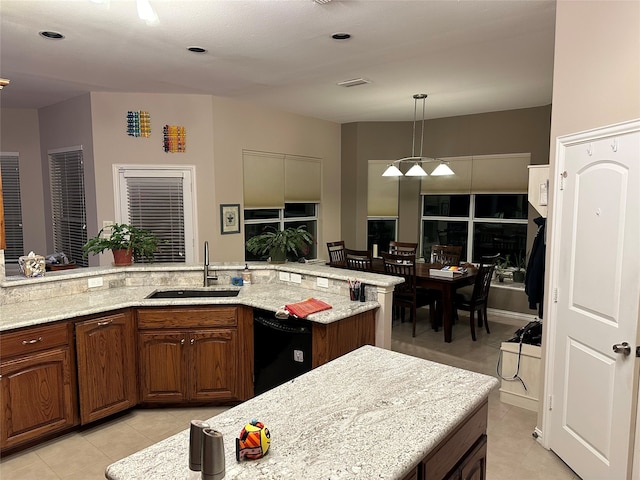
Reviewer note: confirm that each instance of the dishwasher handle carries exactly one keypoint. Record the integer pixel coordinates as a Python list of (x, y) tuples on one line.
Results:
[(280, 326)]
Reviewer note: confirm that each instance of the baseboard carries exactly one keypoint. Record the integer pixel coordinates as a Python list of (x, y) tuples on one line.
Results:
[(525, 317)]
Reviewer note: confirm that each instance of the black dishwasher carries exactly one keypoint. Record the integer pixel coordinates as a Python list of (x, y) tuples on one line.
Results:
[(282, 349)]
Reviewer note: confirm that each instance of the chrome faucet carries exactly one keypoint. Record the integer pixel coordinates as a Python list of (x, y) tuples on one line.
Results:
[(207, 277)]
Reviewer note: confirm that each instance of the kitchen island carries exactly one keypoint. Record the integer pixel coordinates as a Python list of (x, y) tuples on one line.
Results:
[(371, 413)]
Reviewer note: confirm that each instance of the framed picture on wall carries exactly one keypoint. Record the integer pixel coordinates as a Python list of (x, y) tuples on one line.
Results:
[(229, 218)]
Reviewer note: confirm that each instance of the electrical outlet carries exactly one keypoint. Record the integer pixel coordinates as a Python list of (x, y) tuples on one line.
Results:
[(295, 278), (283, 276), (323, 282), (298, 356), (107, 223), (94, 282)]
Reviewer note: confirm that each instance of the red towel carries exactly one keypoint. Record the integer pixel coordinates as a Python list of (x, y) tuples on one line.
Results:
[(307, 307)]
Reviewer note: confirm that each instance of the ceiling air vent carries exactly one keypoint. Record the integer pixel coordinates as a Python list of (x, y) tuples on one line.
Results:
[(354, 82)]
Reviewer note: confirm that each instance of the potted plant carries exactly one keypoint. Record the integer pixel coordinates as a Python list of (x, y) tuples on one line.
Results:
[(519, 268), (277, 243), (502, 265), (125, 241)]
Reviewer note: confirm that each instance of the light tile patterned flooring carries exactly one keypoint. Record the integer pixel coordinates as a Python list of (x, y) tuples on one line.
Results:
[(512, 451)]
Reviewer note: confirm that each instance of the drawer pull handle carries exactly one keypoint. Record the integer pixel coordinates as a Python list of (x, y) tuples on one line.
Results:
[(106, 322), (182, 342), (31, 342), (192, 341)]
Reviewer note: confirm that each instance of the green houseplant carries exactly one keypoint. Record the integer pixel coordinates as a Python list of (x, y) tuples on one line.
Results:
[(519, 267), (502, 265), (125, 241), (277, 243)]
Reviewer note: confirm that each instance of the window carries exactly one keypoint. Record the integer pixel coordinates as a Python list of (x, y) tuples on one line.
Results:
[(256, 220), (66, 176), (380, 232), (483, 224), (159, 199), (10, 170), (382, 207)]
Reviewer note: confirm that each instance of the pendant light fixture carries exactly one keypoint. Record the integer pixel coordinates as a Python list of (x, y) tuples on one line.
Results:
[(416, 170)]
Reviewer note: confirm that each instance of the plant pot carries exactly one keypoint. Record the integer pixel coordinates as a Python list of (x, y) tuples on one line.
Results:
[(277, 256), (122, 257), (518, 276)]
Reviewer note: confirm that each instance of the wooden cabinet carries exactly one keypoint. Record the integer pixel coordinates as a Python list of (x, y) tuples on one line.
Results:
[(37, 381), (106, 362), (195, 355), (333, 340), (462, 455)]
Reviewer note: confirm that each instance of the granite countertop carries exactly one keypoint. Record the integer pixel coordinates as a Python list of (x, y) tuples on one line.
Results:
[(371, 413), (270, 296)]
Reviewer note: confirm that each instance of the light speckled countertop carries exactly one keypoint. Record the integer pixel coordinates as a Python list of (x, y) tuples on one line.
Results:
[(271, 296), (372, 413)]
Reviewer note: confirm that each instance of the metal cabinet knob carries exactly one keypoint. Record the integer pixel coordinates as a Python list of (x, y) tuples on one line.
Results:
[(622, 348)]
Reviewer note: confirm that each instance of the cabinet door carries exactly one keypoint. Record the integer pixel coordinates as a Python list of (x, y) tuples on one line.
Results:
[(163, 372), (106, 366), (213, 364), (37, 396), (474, 466)]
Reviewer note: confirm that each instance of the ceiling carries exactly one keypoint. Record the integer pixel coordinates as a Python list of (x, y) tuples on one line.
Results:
[(469, 56)]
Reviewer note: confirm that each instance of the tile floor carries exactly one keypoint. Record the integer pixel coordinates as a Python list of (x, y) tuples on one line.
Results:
[(512, 451)]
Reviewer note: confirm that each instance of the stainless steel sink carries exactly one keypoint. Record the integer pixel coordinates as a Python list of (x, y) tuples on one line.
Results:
[(193, 293)]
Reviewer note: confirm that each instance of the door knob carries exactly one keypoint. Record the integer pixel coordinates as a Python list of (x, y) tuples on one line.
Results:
[(622, 348)]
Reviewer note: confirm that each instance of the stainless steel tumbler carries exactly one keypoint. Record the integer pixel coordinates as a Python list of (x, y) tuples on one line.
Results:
[(195, 444), (213, 467)]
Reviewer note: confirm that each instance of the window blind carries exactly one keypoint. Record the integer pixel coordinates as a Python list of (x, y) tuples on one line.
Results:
[(66, 176), (263, 180), (382, 192), (157, 204), (481, 174), (10, 172), (302, 179), (273, 179)]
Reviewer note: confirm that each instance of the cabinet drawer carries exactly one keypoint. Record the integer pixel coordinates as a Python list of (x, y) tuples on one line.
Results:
[(188, 317), (34, 339)]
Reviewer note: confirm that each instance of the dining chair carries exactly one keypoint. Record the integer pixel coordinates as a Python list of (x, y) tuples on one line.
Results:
[(477, 300), (402, 248), (359, 259), (490, 259), (446, 254), (336, 253), (407, 295)]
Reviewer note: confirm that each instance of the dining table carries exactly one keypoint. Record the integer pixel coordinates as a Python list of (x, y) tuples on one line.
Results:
[(447, 287)]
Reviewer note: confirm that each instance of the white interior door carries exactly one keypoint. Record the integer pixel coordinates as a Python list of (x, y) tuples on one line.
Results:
[(595, 267)]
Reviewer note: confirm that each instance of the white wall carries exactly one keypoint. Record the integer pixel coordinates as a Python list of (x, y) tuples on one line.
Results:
[(19, 133), (217, 130)]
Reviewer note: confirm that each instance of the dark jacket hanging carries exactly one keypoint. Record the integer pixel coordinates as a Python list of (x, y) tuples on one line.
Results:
[(534, 280)]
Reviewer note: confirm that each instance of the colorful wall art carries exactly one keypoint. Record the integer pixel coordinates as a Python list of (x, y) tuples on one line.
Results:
[(175, 138), (138, 124)]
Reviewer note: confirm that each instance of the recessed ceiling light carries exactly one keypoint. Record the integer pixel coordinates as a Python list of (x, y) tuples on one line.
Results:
[(51, 35), (196, 49), (341, 36)]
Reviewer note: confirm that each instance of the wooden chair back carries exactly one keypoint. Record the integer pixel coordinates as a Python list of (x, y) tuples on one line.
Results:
[(446, 254), (403, 248), (482, 284), (489, 259), (403, 265), (336, 253), (478, 299), (359, 259)]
